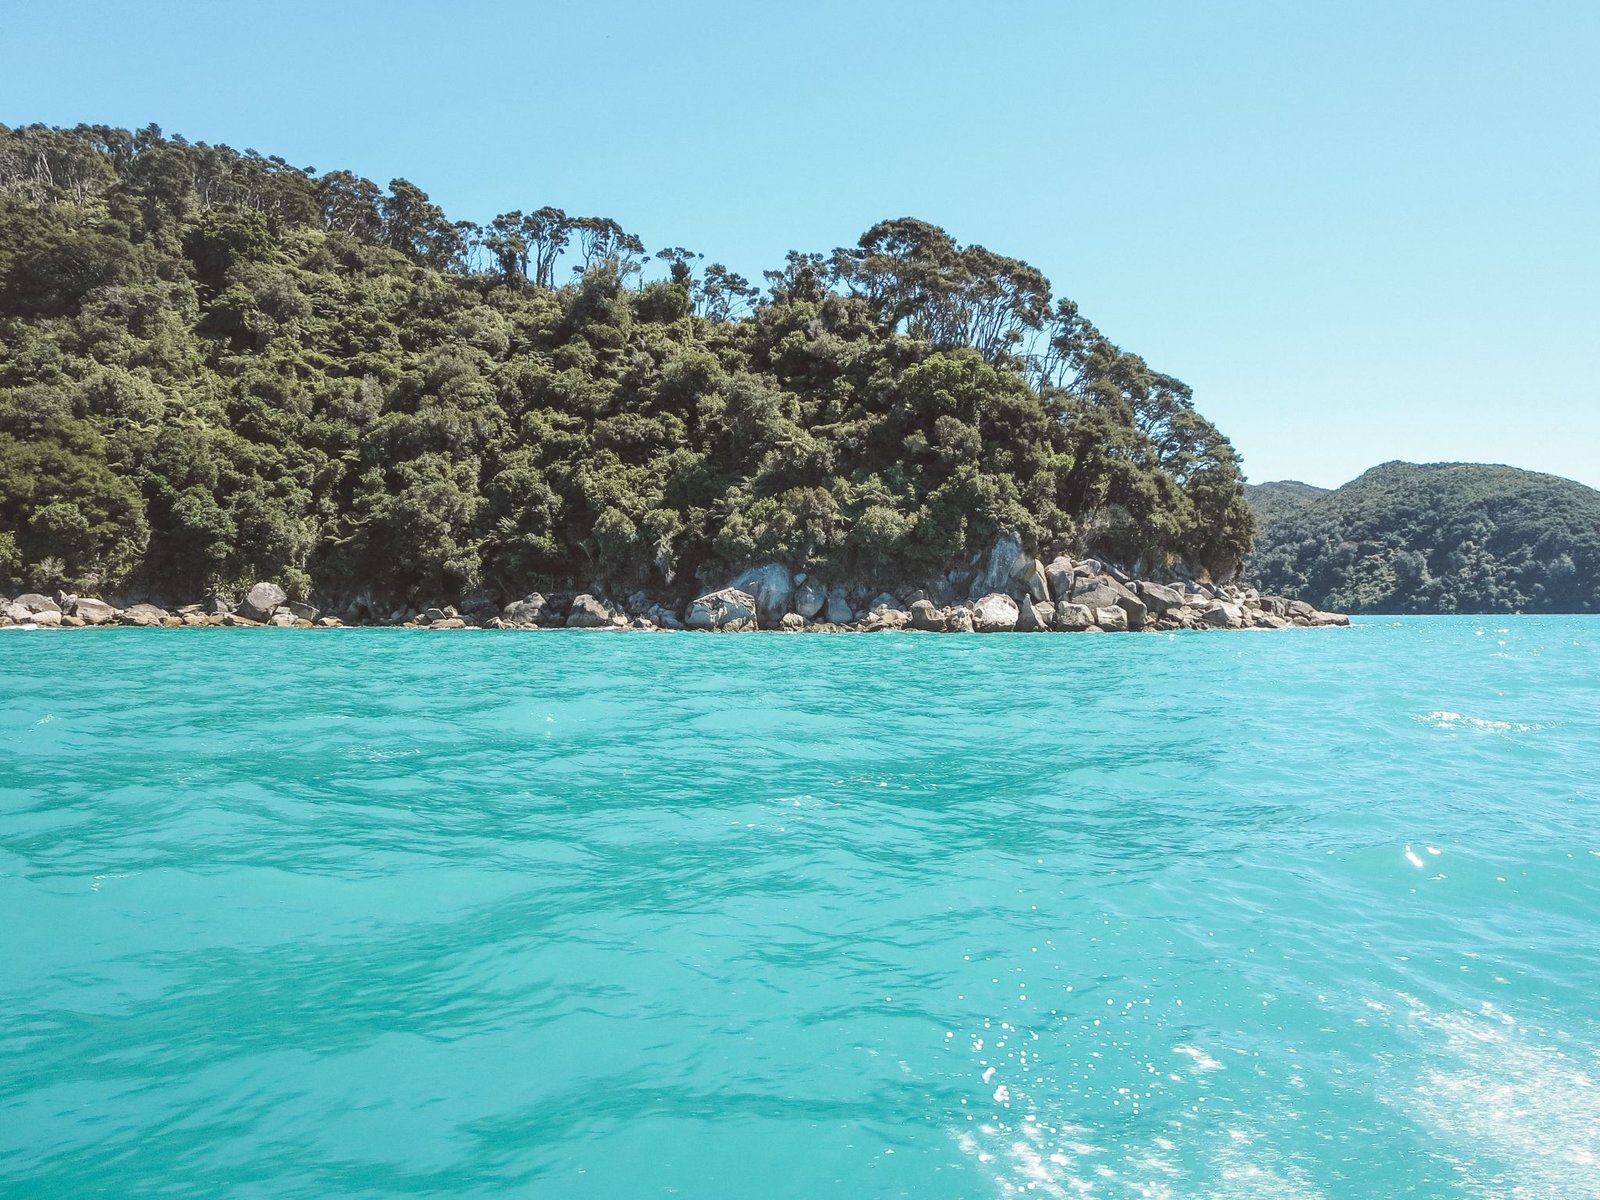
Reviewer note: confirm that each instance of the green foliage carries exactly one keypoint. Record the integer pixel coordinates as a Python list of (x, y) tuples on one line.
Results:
[(216, 366), (1439, 538)]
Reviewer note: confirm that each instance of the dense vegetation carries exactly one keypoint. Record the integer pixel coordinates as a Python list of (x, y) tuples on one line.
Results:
[(216, 366), (1440, 538)]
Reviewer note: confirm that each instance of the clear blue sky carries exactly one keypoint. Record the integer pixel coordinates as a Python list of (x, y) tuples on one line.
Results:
[(1360, 230)]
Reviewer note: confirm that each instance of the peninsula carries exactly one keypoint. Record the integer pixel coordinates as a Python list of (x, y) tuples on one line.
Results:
[(218, 368)]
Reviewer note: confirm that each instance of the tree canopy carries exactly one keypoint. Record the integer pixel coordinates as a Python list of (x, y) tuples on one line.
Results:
[(218, 366)]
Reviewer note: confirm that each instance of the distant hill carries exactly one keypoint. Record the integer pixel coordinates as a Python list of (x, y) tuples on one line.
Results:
[(1269, 501), (1432, 538)]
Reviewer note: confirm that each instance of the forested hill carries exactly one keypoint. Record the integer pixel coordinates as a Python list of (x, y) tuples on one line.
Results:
[(1435, 538), (217, 367)]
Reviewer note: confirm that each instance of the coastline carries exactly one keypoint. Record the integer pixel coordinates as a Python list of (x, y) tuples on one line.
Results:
[(1012, 593)]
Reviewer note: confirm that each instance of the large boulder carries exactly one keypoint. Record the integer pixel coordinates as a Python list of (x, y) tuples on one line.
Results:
[(1034, 582), (1035, 618), (1001, 567), (304, 612), (589, 613), (958, 619), (1060, 576), (1320, 618), (1113, 618), (1158, 597), (727, 609), (838, 610), (1097, 591), (883, 617), (261, 601), (773, 589), (1223, 614), (526, 611), (93, 611), (995, 613), (1072, 618), (927, 617), (35, 603), (810, 597), (143, 614)]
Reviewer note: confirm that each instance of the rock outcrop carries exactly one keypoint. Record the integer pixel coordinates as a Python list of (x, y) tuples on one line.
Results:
[(727, 609)]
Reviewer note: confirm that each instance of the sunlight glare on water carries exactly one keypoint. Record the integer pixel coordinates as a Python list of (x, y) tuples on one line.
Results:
[(381, 913)]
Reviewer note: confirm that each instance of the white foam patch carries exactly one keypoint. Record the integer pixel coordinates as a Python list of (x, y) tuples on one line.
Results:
[(1521, 1113), (1444, 719)]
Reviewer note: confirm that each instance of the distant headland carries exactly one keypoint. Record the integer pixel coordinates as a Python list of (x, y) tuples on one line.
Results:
[(1432, 538)]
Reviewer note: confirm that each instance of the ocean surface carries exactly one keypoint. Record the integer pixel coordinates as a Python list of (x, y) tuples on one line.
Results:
[(382, 913)]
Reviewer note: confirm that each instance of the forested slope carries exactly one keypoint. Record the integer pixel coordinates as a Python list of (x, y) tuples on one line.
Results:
[(1434, 538), (217, 367)]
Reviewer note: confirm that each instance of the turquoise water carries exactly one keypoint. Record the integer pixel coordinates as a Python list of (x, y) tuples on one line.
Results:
[(380, 913)]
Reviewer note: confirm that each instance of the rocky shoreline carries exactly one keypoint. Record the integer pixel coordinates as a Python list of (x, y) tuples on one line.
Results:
[(1011, 593)]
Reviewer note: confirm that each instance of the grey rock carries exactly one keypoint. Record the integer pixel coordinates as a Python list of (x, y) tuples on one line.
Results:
[(526, 611), (811, 597), (882, 600), (727, 609), (1113, 618), (1073, 618), (995, 613), (303, 612), (886, 618), (925, 616), (1035, 617), (1034, 581), (588, 613), (958, 619), (838, 608), (35, 603), (1004, 562), (1320, 618), (1097, 591), (773, 589), (1222, 614), (792, 622), (1060, 576), (1158, 597), (93, 611), (143, 614), (283, 618), (262, 601)]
